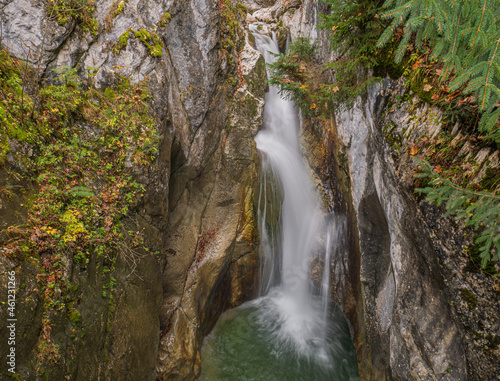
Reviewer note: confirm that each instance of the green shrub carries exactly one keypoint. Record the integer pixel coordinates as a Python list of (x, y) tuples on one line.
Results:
[(79, 10)]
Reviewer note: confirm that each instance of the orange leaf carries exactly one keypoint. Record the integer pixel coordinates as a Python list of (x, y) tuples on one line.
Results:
[(413, 150), (438, 169), (335, 89)]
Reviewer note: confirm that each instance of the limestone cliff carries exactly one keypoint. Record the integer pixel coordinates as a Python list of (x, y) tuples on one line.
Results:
[(207, 86)]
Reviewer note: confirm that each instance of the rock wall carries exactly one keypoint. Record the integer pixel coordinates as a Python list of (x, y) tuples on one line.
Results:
[(394, 278), (409, 327), (207, 86), (401, 275)]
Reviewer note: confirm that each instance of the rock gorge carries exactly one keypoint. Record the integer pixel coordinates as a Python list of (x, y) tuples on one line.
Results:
[(395, 278)]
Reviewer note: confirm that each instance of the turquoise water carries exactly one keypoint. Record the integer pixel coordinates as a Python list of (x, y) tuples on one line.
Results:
[(247, 344)]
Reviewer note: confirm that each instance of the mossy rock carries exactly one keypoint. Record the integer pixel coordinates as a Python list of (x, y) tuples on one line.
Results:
[(469, 297)]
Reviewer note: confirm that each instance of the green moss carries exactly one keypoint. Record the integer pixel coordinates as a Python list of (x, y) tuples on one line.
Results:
[(119, 9), (16, 107), (469, 297), (74, 317), (122, 42), (79, 10), (75, 176), (243, 9), (142, 35), (151, 41), (164, 20)]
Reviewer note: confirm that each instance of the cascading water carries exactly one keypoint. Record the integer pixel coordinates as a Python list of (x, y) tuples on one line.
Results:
[(291, 332), (298, 312)]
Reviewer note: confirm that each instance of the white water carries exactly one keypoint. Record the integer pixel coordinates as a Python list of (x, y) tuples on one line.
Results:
[(293, 302), (291, 332)]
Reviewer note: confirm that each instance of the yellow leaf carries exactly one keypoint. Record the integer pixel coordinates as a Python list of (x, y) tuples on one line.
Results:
[(303, 87), (427, 87), (313, 106)]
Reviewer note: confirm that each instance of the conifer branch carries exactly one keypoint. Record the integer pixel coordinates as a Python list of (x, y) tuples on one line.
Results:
[(480, 209)]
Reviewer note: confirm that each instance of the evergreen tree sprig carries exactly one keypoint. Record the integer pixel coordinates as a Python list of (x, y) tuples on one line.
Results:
[(465, 37), (480, 209)]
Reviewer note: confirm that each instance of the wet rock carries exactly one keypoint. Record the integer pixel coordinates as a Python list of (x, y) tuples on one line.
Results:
[(211, 258)]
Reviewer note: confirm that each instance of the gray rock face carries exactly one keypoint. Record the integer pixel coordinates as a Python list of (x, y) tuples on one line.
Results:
[(28, 33), (389, 278), (192, 37), (212, 253), (405, 313), (197, 208), (253, 5)]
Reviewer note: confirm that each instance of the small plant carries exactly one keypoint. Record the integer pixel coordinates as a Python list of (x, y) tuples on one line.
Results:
[(164, 20), (114, 11), (82, 190), (355, 27), (119, 8), (465, 37), (303, 81), (122, 42), (79, 10), (150, 40)]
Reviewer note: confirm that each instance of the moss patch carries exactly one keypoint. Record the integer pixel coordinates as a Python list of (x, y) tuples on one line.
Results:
[(149, 39), (469, 297), (16, 107), (164, 20), (79, 10)]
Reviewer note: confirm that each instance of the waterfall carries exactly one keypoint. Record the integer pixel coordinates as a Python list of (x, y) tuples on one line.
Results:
[(291, 332), (325, 282), (301, 313)]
